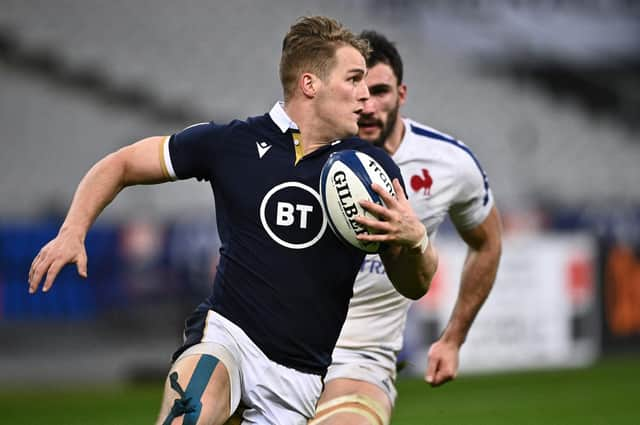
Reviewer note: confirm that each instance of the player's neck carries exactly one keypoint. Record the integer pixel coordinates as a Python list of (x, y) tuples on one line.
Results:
[(313, 134), (394, 140)]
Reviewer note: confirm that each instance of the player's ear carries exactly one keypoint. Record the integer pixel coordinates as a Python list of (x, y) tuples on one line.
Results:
[(309, 84), (402, 93)]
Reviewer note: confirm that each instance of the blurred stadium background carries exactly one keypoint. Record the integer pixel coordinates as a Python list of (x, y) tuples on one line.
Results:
[(547, 93)]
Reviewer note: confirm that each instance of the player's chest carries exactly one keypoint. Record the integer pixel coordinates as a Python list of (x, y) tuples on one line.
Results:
[(266, 183), (431, 188), (262, 169)]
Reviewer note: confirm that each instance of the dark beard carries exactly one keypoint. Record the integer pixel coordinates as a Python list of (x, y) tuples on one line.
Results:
[(387, 129)]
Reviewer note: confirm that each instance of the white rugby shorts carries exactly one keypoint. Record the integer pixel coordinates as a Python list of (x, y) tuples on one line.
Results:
[(272, 394), (375, 366)]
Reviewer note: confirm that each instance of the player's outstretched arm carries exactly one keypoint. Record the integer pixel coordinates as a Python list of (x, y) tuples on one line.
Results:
[(479, 272), (409, 260), (139, 163)]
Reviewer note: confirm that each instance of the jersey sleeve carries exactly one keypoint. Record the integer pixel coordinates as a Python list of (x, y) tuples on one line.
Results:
[(474, 199), (193, 151)]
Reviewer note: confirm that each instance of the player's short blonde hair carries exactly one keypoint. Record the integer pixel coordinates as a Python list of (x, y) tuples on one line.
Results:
[(310, 46)]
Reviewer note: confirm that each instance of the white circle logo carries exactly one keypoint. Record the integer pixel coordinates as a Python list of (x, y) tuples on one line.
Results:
[(292, 215)]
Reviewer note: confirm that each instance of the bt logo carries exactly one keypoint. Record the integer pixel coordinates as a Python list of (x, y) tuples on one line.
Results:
[(286, 214), (292, 215)]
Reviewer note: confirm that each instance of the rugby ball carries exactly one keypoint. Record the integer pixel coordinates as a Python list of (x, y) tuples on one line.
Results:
[(346, 179)]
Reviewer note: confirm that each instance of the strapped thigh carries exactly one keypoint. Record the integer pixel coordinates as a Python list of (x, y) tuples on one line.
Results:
[(358, 404), (189, 403), (211, 353)]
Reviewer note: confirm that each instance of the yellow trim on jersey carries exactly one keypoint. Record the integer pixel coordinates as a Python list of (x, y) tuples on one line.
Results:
[(163, 160), (371, 409), (297, 145)]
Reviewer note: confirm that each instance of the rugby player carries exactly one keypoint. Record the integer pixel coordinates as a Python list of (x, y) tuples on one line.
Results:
[(445, 178), (282, 288)]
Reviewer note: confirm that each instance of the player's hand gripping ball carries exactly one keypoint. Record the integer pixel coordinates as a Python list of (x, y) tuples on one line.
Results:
[(345, 180)]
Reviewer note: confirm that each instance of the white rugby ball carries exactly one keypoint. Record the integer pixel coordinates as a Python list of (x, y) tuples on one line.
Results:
[(346, 179)]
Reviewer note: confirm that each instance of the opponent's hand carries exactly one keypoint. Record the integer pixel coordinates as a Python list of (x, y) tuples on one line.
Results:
[(396, 223), (442, 363), (65, 249)]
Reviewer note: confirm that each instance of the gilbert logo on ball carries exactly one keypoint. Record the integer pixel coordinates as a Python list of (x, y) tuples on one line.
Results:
[(345, 180)]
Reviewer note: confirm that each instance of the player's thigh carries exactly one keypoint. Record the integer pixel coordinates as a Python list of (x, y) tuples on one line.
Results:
[(197, 391), (352, 402)]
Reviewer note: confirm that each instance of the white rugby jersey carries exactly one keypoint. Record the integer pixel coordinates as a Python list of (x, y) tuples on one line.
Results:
[(442, 176)]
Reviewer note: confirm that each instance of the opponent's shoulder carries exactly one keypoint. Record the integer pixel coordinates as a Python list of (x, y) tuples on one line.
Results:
[(422, 136), (423, 140), (427, 133)]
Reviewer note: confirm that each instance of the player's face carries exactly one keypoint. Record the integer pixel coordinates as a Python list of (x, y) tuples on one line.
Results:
[(380, 113), (343, 93)]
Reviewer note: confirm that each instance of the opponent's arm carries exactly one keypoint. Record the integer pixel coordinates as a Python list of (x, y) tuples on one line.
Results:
[(139, 163), (478, 274), (410, 260)]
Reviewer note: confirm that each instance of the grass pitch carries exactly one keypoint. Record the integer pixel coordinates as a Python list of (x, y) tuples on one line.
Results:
[(606, 394)]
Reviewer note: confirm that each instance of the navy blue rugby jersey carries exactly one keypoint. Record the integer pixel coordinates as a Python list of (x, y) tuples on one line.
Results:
[(283, 276)]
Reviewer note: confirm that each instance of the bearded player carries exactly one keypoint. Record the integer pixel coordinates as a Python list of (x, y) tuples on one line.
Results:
[(444, 177)]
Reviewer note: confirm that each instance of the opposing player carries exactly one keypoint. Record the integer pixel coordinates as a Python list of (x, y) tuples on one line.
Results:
[(284, 280), (445, 178)]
